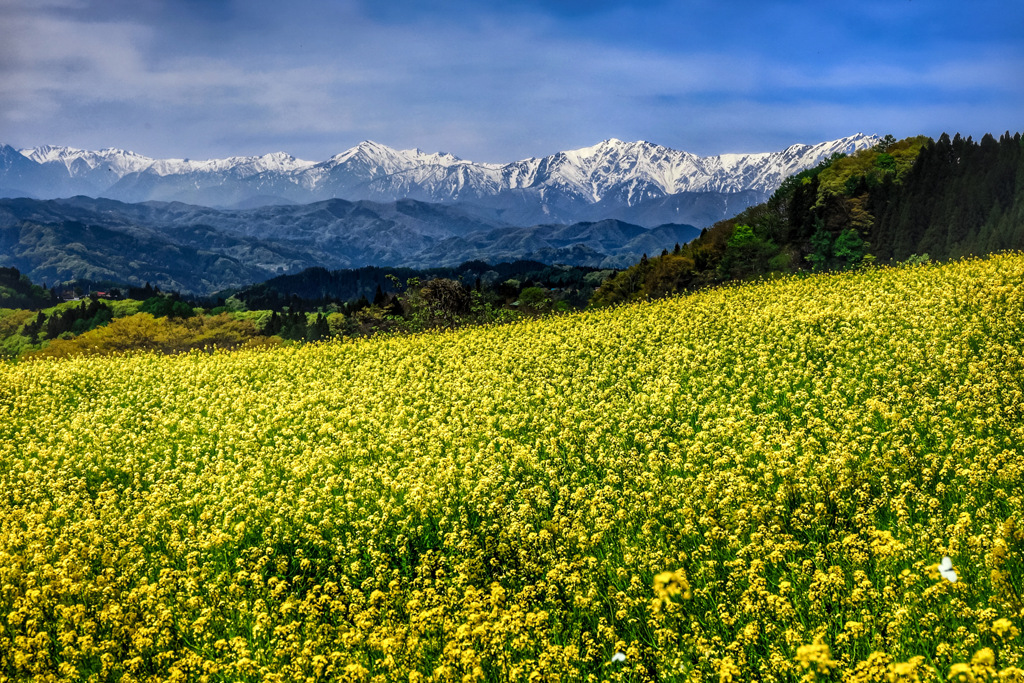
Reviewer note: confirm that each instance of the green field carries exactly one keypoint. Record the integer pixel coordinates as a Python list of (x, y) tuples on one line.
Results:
[(754, 482)]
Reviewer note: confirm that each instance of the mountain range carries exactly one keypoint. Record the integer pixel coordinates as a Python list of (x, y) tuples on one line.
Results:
[(636, 182), (201, 250)]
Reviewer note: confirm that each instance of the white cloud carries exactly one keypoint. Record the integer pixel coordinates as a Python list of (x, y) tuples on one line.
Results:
[(981, 72)]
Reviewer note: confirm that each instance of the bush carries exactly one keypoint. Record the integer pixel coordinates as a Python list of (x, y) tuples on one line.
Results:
[(144, 332)]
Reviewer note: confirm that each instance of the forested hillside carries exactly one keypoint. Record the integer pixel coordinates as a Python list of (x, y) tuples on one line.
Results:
[(16, 290), (910, 199)]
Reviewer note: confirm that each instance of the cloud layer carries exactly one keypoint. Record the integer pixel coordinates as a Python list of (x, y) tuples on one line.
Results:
[(184, 78)]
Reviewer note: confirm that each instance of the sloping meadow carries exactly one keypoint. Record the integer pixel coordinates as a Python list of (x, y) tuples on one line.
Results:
[(750, 483)]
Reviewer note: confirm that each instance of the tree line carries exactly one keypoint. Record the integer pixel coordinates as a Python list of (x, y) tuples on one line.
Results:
[(171, 323)]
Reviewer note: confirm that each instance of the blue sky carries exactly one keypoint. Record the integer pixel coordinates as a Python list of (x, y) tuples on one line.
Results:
[(499, 81)]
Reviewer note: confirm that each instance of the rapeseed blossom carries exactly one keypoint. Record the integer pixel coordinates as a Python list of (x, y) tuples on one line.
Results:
[(746, 484)]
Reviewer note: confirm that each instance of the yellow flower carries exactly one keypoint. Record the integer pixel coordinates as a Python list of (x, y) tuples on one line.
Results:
[(816, 657), (1011, 674), (1003, 628), (728, 672), (670, 584), (961, 673)]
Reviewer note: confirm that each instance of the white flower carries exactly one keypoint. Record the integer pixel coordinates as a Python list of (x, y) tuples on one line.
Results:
[(946, 569), (618, 657)]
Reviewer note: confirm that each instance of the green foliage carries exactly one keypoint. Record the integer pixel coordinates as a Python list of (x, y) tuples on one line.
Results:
[(886, 162), (535, 300), (821, 249), (870, 167), (885, 143), (439, 302), (289, 325), (747, 253), (846, 250), (17, 291), (596, 278), (717, 255), (12, 321), (317, 328), (122, 308), (318, 287), (626, 285), (917, 260), (165, 306), (234, 305), (259, 319), (849, 249), (961, 197), (336, 324), (78, 319), (445, 301)]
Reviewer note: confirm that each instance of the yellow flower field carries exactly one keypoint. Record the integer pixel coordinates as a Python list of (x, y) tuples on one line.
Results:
[(751, 483)]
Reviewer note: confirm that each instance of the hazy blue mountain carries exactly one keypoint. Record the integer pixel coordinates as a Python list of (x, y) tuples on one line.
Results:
[(200, 249)]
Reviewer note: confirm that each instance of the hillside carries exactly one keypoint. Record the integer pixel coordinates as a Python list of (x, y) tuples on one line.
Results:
[(754, 482)]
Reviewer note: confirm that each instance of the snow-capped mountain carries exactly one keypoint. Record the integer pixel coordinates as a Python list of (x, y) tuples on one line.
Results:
[(122, 162), (80, 162), (635, 181)]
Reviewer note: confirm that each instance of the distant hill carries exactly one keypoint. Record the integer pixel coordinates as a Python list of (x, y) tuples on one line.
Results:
[(199, 250)]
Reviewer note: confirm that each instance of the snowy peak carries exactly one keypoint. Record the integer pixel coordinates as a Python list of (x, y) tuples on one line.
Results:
[(371, 170), (79, 162), (612, 163), (376, 159), (764, 172), (277, 162), (122, 162), (595, 171)]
